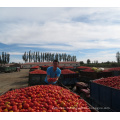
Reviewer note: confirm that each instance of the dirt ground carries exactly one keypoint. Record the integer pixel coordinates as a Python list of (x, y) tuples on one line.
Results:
[(14, 80)]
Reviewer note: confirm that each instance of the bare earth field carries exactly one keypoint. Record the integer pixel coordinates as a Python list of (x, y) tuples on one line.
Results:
[(14, 80)]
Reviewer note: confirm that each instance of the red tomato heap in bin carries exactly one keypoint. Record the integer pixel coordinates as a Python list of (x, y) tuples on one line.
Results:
[(83, 67), (67, 71), (88, 70), (35, 67), (114, 69), (38, 72), (42, 98), (113, 82)]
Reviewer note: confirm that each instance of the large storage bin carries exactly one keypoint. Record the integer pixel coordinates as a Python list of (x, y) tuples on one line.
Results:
[(94, 91), (115, 73), (44, 68), (92, 75), (104, 74), (13, 69), (105, 96), (36, 79), (115, 100), (69, 79), (99, 107), (6, 69), (89, 105), (96, 75)]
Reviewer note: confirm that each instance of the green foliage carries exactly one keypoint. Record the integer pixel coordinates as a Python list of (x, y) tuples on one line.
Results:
[(105, 65), (81, 63), (88, 61), (4, 58), (41, 57)]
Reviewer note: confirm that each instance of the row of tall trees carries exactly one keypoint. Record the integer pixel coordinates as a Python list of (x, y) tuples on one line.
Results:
[(4, 58), (118, 57), (46, 57)]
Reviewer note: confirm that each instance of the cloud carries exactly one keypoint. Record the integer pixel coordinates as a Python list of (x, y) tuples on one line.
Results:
[(16, 53), (76, 35), (101, 56), (61, 29), (57, 25)]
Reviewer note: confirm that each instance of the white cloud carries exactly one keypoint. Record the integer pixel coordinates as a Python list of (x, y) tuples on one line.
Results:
[(78, 28), (101, 56), (55, 25), (76, 35), (16, 53)]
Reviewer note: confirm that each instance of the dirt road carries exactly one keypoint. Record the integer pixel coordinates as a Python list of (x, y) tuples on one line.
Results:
[(14, 80)]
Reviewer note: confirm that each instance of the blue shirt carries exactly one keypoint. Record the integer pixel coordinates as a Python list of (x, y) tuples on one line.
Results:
[(53, 74)]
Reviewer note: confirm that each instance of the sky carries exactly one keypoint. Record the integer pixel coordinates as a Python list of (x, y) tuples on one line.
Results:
[(86, 32)]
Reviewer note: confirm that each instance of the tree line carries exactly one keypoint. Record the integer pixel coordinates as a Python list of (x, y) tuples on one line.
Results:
[(103, 64), (47, 57), (4, 58)]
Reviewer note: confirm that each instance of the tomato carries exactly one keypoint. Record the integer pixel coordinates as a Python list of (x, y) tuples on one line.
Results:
[(38, 72), (49, 111), (25, 105), (63, 110), (20, 106), (41, 98), (113, 82), (5, 110), (14, 108)]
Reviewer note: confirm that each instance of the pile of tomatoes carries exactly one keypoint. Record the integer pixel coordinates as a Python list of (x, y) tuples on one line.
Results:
[(35, 67), (42, 98), (82, 67), (113, 82), (114, 69), (67, 71), (38, 72), (88, 70), (68, 67)]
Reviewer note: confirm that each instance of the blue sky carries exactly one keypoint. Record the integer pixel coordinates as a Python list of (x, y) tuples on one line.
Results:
[(87, 32)]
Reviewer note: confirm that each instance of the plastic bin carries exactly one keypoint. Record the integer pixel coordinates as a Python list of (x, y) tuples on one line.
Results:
[(105, 96), (95, 91), (99, 107), (115, 100), (36, 79), (5, 69), (69, 79), (115, 73), (89, 105)]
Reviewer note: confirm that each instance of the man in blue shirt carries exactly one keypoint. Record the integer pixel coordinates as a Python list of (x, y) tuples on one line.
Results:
[(53, 72)]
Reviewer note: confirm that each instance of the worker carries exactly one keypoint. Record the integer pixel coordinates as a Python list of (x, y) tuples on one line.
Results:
[(53, 72)]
